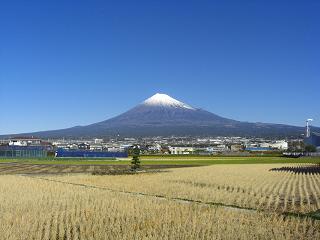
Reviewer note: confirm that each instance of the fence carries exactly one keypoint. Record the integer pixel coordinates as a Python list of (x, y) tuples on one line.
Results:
[(90, 154), (23, 152)]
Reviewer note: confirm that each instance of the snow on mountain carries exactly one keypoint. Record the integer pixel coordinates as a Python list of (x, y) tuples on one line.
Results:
[(162, 115), (164, 100)]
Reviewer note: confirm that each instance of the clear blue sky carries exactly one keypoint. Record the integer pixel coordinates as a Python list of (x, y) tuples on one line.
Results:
[(66, 63)]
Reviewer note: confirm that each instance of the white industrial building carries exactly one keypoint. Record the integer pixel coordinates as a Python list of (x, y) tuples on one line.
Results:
[(281, 145), (24, 141), (181, 150)]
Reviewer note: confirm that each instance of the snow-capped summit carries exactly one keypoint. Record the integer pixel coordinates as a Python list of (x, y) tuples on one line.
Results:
[(164, 100), (162, 115)]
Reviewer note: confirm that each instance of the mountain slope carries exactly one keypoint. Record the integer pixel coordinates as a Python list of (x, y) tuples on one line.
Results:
[(162, 115), (162, 110)]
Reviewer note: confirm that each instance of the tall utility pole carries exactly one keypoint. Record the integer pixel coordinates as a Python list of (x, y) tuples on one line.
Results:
[(308, 127)]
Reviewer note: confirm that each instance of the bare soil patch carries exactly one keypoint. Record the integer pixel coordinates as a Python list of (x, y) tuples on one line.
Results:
[(25, 168)]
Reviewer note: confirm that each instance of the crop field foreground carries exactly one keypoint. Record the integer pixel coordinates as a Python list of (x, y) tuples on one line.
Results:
[(166, 160), (184, 203)]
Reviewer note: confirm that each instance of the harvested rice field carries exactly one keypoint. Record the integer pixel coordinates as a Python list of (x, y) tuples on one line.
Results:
[(212, 202)]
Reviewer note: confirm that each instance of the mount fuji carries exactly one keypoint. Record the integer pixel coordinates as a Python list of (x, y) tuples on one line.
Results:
[(162, 115)]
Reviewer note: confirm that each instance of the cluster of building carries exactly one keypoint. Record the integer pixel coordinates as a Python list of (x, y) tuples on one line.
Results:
[(24, 147), (31, 147), (96, 144), (225, 145), (120, 147)]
